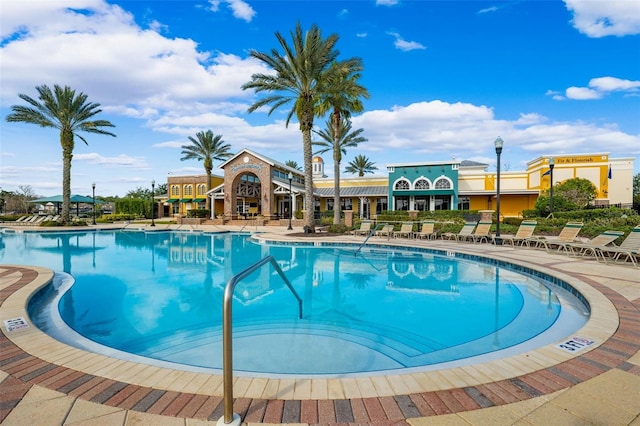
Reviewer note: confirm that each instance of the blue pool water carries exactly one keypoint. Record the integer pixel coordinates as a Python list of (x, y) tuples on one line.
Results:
[(158, 295)]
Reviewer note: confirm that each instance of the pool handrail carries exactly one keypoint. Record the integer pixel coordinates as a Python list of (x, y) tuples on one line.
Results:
[(371, 232), (227, 346)]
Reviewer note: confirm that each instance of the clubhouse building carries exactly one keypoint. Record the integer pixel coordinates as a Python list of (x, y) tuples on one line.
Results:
[(254, 185)]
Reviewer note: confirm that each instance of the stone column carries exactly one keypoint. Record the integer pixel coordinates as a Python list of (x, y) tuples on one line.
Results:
[(486, 215), (348, 217)]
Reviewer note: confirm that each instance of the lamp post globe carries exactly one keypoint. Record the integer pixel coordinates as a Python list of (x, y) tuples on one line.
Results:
[(498, 143), (552, 164), (153, 202), (290, 177), (93, 192)]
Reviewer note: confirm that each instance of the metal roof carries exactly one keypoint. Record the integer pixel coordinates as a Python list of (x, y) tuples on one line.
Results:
[(354, 191)]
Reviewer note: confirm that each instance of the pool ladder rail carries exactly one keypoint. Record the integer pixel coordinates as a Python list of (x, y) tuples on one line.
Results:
[(371, 233), (229, 417)]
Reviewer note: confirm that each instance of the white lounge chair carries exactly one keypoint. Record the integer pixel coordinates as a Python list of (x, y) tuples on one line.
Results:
[(524, 232), (406, 230), (629, 249), (465, 232), (568, 235), (427, 231)]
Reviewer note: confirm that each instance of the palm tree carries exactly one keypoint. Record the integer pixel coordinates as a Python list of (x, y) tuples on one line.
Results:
[(338, 140), (62, 109), (360, 165), (342, 98), (300, 78), (292, 164), (206, 148)]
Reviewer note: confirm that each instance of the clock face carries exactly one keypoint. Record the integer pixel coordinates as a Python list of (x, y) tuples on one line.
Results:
[(245, 159)]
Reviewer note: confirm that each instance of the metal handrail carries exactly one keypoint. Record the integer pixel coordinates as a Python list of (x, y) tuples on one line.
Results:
[(227, 345), (373, 231)]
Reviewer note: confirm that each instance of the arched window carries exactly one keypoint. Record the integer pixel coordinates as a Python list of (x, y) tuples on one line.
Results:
[(421, 184), (175, 190), (443, 183), (188, 190), (202, 189), (401, 185)]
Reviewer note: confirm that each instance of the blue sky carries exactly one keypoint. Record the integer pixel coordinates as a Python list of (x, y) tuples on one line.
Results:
[(445, 78)]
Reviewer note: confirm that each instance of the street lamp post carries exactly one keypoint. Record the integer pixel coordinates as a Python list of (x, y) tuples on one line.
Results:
[(153, 201), (498, 144), (552, 163), (93, 188), (290, 176)]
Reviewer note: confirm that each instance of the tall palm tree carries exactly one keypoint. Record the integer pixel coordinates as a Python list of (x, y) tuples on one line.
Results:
[(300, 79), (360, 165), (206, 148), (62, 109), (343, 97), (337, 140)]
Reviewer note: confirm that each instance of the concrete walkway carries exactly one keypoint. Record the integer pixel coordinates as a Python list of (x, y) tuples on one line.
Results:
[(44, 382)]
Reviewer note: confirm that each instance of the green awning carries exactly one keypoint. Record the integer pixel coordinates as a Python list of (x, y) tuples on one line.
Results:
[(172, 200), (185, 200), (199, 200)]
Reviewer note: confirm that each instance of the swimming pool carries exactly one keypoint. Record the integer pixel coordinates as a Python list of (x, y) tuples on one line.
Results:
[(385, 309)]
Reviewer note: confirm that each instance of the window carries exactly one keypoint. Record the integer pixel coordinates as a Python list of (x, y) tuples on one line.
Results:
[(329, 203), (442, 202), (422, 203), (381, 205), (346, 204), (316, 205), (401, 185), (188, 190), (202, 189), (402, 203), (175, 190), (464, 203), (443, 183), (422, 184)]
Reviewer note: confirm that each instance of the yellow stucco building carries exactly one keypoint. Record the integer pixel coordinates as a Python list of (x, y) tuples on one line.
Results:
[(254, 184)]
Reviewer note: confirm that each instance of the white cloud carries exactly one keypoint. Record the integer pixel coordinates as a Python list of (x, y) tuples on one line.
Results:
[(612, 84), (121, 160), (604, 18), (582, 93), (599, 87), (404, 45), (489, 9), (435, 129), (163, 74), (241, 10)]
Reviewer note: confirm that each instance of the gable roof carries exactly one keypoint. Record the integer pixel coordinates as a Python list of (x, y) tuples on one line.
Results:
[(264, 158)]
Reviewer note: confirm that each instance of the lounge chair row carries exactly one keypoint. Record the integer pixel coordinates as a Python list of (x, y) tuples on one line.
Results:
[(427, 230), (35, 219), (601, 247)]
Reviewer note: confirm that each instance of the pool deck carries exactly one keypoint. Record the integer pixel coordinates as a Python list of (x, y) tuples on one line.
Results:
[(44, 382)]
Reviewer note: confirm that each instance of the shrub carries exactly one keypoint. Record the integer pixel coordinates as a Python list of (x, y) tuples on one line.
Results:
[(51, 223), (200, 213), (117, 217), (338, 229)]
